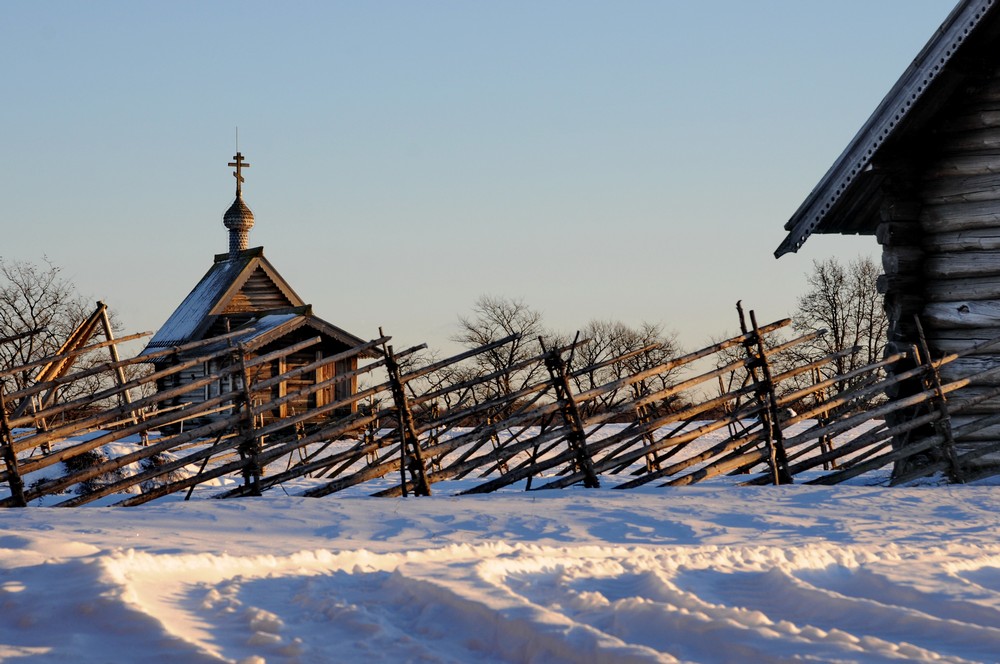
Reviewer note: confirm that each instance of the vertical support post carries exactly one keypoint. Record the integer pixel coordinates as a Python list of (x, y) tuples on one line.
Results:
[(577, 437), (823, 419), (10, 456), (643, 417), (433, 434), (251, 443), (757, 354), (943, 424), (411, 456), (370, 433)]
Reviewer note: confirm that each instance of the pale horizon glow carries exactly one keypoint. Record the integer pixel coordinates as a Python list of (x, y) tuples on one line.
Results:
[(629, 161)]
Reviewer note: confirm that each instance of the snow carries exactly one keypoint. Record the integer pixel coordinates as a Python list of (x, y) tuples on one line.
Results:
[(705, 573)]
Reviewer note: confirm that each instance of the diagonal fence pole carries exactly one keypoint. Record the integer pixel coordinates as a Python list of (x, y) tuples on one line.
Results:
[(411, 456), (577, 434), (943, 424)]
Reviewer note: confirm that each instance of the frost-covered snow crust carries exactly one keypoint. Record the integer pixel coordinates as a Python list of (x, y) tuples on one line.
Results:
[(852, 574)]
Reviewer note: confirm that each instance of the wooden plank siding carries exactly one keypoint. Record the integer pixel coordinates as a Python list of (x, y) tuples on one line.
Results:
[(955, 271), (259, 293)]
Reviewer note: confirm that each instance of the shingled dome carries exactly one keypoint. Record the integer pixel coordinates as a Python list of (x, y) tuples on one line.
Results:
[(239, 220), (238, 216)]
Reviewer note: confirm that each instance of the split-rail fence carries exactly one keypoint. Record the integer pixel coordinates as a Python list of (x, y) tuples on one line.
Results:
[(729, 409)]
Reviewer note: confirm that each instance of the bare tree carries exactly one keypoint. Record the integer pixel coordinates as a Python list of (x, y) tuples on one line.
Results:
[(613, 339), (38, 297), (492, 319), (35, 297), (844, 300)]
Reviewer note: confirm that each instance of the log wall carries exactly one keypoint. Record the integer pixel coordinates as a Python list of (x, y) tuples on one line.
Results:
[(959, 242)]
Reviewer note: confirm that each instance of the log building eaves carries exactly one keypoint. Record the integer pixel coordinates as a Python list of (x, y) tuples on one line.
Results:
[(271, 326), (848, 199)]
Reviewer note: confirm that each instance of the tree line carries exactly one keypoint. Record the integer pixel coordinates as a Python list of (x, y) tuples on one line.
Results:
[(840, 297)]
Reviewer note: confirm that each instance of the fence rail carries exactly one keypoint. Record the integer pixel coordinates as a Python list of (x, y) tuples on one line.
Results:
[(724, 409)]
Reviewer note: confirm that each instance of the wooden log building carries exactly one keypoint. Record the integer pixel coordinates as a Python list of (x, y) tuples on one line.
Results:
[(242, 290), (923, 176)]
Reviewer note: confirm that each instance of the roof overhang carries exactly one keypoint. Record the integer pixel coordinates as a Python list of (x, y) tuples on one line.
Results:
[(848, 198)]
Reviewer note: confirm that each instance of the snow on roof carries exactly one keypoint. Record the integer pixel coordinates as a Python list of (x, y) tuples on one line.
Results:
[(263, 326), (186, 319)]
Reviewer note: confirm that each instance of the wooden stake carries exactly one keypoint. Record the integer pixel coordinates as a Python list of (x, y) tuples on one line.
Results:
[(411, 455), (770, 414), (10, 457)]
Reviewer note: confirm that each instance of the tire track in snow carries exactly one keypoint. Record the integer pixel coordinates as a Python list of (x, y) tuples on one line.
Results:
[(584, 604)]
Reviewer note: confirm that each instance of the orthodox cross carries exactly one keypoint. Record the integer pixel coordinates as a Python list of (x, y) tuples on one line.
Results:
[(239, 164)]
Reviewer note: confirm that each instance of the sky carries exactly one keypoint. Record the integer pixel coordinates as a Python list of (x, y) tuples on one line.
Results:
[(631, 161)]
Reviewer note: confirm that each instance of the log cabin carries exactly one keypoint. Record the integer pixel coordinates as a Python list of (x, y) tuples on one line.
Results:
[(242, 290), (923, 176)]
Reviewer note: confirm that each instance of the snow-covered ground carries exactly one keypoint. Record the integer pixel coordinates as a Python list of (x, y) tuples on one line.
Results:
[(711, 573), (705, 573)]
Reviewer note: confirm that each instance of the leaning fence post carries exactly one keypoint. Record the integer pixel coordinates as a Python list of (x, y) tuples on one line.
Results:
[(577, 436), (10, 456), (777, 458), (411, 456), (942, 424)]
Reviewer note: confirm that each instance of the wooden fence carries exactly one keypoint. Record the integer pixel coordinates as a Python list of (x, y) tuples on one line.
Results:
[(725, 409)]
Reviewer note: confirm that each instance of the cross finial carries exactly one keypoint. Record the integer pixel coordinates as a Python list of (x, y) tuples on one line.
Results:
[(239, 165)]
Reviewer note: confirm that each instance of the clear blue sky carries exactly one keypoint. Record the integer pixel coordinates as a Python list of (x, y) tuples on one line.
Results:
[(615, 160)]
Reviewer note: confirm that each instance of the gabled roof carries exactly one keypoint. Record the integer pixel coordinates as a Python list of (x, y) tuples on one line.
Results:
[(270, 326), (847, 199), (216, 290)]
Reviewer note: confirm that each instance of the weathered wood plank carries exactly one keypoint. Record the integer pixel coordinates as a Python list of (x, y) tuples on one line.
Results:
[(970, 439), (899, 233), (902, 259), (970, 366), (961, 289), (963, 264), (969, 346), (985, 138), (959, 189), (983, 117), (960, 216), (966, 314), (980, 239), (964, 165)]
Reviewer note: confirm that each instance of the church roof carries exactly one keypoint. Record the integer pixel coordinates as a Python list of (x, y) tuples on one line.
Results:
[(241, 286), (848, 197), (212, 296)]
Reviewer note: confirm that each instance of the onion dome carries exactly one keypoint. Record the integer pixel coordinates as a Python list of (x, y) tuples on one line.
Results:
[(239, 220)]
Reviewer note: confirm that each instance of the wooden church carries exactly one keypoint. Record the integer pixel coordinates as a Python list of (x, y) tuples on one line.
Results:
[(243, 290), (923, 176)]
